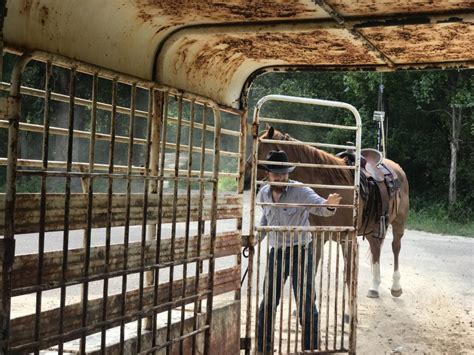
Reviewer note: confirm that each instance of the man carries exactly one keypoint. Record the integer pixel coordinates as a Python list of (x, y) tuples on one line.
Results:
[(282, 245)]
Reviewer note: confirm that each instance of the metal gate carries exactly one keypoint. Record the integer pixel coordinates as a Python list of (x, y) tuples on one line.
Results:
[(322, 318), (111, 195)]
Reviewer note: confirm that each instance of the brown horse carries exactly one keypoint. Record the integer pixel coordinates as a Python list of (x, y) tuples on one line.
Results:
[(399, 204)]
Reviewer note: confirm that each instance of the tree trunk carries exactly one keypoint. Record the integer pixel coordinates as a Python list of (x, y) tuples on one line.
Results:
[(456, 118)]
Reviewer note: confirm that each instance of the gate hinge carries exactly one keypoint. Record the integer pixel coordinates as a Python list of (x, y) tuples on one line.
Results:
[(6, 104), (245, 344)]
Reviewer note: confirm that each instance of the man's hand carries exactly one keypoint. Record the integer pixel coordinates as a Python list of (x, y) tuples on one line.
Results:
[(333, 199)]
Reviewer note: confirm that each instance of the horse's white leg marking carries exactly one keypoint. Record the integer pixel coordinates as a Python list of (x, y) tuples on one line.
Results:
[(374, 289), (396, 289)]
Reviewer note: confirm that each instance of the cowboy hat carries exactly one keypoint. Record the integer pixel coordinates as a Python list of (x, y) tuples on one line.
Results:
[(281, 157)]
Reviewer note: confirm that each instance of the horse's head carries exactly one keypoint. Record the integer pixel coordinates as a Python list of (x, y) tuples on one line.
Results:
[(264, 149)]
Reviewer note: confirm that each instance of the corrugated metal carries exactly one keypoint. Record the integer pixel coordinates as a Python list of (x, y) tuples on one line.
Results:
[(212, 47)]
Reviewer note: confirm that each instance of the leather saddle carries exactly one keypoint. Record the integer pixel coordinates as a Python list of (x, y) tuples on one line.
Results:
[(378, 185)]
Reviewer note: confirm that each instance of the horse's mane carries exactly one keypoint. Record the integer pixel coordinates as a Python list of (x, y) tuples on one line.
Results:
[(313, 155)]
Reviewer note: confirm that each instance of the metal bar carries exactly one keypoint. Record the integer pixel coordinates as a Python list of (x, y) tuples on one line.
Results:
[(353, 319), (51, 173), (30, 127), (305, 228), (113, 123), (88, 230), (257, 287), (318, 145), (323, 241), (307, 165), (144, 218), (328, 289), (282, 286), (10, 192), (292, 244), (298, 293), (265, 295), (307, 123), (316, 244), (338, 241), (346, 284), (321, 186), (213, 231), (304, 293), (201, 222), (188, 218), (126, 237), (240, 190), (173, 225), (41, 236), (163, 133), (274, 301), (70, 142), (301, 205), (179, 339)]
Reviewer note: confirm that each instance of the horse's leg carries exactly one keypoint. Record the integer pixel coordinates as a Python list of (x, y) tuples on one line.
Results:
[(375, 248), (398, 230)]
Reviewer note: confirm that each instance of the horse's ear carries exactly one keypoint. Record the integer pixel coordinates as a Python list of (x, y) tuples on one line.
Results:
[(270, 132)]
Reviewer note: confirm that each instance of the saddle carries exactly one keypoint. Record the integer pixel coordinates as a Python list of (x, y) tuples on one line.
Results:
[(378, 185)]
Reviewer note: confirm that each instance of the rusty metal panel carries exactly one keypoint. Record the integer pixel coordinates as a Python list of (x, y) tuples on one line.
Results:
[(22, 334), (418, 44), (121, 207), (28, 211), (390, 7), (25, 267)]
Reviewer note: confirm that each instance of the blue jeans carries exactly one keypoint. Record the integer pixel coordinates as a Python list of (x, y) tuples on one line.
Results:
[(305, 297)]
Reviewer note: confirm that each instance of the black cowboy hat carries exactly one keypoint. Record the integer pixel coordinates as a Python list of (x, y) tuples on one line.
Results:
[(278, 156)]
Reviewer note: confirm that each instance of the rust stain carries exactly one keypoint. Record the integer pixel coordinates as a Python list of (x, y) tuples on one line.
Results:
[(184, 11), (25, 6), (43, 12), (424, 43), (317, 47), (390, 7)]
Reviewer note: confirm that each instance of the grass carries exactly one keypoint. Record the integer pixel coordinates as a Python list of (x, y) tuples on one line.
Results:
[(437, 218)]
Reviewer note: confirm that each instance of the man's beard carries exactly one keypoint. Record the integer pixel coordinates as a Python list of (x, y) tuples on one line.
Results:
[(279, 189)]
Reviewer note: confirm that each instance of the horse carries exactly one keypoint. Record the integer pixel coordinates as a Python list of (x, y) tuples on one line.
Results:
[(399, 203)]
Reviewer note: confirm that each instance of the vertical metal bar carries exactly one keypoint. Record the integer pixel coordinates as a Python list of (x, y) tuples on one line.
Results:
[(304, 293), (188, 220), (67, 198), (353, 298), (328, 289), (282, 286), (10, 193), (274, 303), (345, 284), (257, 287), (151, 276), (265, 295), (201, 223), (144, 221), (126, 237), (173, 222), (212, 260), (315, 240), (290, 272), (2, 20), (323, 241), (298, 292), (110, 189), (42, 229), (164, 132), (338, 241), (88, 231)]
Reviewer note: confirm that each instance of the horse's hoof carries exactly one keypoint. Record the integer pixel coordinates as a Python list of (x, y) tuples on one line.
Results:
[(373, 294), (396, 293)]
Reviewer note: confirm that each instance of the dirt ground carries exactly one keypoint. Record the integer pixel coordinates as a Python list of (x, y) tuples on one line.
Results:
[(435, 312)]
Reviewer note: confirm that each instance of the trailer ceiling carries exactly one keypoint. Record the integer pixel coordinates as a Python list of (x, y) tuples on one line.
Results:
[(212, 48)]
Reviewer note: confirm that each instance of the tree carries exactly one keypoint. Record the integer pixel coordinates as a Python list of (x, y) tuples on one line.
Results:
[(450, 94)]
